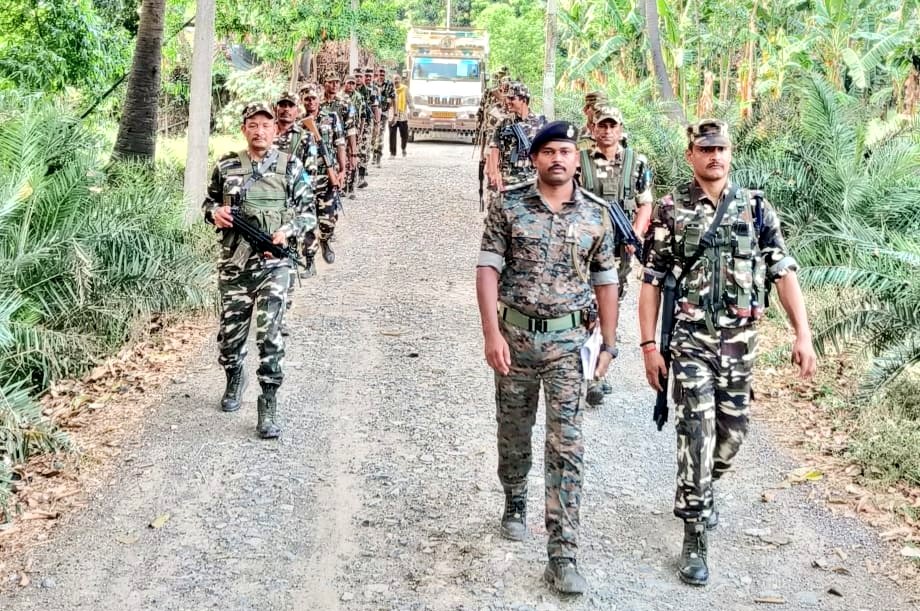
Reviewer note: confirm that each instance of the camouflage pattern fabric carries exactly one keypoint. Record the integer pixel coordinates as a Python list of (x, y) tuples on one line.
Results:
[(329, 125), (246, 280), (714, 342), (608, 179), (553, 359), (502, 139), (327, 213), (678, 222), (712, 389), (585, 140), (547, 263)]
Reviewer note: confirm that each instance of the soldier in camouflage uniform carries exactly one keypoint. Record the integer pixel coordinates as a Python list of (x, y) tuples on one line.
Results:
[(373, 94), (490, 115), (348, 110), (273, 192), (593, 99), (367, 127), (326, 179), (545, 246), (507, 164), (387, 96), (724, 246), (604, 172)]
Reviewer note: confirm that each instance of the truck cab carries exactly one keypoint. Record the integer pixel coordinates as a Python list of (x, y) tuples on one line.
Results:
[(446, 80)]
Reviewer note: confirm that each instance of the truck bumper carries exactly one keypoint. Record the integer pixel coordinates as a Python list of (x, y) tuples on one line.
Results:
[(463, 130)]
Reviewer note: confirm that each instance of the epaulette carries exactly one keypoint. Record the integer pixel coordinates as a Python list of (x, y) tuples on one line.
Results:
[(520, 185), (588, 195)]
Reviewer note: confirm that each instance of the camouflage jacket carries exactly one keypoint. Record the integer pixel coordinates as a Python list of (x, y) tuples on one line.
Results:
[(727, 282), (547, 262), (346, 112), (515, 168), (494, 114), (387, 94), (371, 96), (290, 140), (360, 105), (585, 139), (298, 214), (605, 178)]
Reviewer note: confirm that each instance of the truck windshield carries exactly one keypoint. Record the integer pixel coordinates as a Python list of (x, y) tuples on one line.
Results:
[(445, 69)]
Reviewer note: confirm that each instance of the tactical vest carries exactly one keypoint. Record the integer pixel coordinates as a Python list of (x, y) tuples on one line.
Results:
[(613, 186), (734, 285), (264, 202)]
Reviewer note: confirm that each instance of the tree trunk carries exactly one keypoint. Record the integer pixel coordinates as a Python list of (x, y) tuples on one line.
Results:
[(671, 105), (353, 58), (137, 131), (549, 62), (199, 109)]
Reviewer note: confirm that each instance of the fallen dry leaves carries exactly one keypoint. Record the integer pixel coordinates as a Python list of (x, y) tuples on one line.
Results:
[(100, 412), (819, 440)]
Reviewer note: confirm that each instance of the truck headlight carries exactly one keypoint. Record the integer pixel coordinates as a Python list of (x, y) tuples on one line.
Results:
[(419, 99), (471, 101)]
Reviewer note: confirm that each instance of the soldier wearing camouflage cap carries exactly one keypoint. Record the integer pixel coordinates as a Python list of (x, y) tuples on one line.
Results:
[(350, 95), (726, 244), (586, 135), (547, 256), (270, 189), (508, 161), (387, 93)]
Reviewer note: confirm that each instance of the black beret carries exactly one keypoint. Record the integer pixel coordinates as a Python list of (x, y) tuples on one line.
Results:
[(557, 131)]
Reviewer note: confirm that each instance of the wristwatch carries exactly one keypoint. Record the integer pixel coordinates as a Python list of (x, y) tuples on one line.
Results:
[(613, 351)]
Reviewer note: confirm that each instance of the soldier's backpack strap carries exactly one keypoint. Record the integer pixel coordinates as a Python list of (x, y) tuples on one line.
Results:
[(254, 175), (627, 187), (588, 178)]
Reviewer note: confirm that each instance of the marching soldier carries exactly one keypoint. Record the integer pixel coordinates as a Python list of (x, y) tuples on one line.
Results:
[(387, 97), (616, 173), (371, 105), (374, 97), (352, 97), (721, 246), (547, 254), (329, 174), (269, 189), (509, 162)]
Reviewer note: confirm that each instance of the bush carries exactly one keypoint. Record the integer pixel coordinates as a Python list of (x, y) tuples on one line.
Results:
[(86, 256)]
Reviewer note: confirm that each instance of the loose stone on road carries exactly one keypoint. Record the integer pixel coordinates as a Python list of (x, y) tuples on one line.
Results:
[(382, 493)]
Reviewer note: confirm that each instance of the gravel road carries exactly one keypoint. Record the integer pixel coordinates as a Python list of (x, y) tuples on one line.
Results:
[(382, 493)]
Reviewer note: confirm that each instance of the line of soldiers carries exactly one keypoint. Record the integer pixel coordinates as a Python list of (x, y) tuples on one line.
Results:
[(304, 153), (551, 270)]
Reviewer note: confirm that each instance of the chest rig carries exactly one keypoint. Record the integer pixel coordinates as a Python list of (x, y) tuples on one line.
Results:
[(610, 180), (723, 272), (262, 191)]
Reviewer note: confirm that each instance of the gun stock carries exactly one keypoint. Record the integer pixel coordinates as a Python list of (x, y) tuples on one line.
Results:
[(261, 241)]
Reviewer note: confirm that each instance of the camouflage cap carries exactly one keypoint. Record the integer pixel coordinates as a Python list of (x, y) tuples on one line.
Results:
[(330, 75), (350, 78), (256, 108), (709, 132), (368, 71), (595, 97), (287, 96), (309, 90), (607, 113)]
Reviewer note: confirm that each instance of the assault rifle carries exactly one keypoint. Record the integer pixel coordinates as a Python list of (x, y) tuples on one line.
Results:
[(323, 151), (261, 241), (668, 296), (521, 150), (624, 229)]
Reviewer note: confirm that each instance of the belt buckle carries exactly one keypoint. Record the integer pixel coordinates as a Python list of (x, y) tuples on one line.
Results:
[(538, 325)]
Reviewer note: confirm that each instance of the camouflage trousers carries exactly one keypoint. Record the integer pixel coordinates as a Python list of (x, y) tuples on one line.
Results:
[(364, 147), (712, 389), (327, 215), (380, 128), (241, 291), (623, 269), (553, 359)]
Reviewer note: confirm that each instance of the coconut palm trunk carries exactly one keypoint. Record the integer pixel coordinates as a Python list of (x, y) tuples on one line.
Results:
[(665, 90), (137, 129)]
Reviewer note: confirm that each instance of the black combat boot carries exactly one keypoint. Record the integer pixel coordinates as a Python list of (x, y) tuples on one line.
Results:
[(692, 567), (362, 178), (268, 408), (514, 520), (713, 520), (309, 269), (236, 383), (328, 253), (563, 576)]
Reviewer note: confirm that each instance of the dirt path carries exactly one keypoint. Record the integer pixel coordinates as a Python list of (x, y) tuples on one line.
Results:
[(383, 495)]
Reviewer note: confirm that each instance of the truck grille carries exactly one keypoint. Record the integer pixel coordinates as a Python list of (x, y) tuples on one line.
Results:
[(434, 100)]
